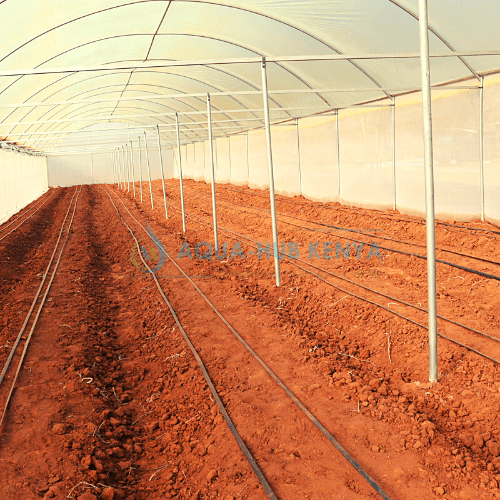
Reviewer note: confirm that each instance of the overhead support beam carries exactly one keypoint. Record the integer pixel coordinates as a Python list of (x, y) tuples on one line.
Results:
[(161, 97), (248, 60), (429, 190), (180, 173), (187, 113), (274, 223)]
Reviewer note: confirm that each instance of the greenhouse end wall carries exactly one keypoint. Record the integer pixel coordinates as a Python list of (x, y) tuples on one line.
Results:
[(307, 157), (71, 170), (23, 178)]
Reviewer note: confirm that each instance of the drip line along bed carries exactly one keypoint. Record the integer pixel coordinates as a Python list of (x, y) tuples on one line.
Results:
[(172, 328), (118, 407)]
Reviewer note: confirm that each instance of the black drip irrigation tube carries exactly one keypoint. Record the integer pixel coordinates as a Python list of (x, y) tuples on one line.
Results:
[(289, 393), (385, 216), (38, 207), (456, 323), (5, 226), (34, 302), (291, 261), (258, 472), (480, 273)]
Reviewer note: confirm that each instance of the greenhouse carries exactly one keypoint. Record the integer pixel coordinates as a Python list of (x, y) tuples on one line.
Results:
[(248, 249)]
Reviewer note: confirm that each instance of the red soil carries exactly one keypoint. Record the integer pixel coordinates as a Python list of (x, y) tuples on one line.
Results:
[(145, 425)]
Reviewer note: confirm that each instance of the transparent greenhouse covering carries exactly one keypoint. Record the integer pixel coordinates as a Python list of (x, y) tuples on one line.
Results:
[(65, 66)]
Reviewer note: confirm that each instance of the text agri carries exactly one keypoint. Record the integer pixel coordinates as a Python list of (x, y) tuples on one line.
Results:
[(328, 251)]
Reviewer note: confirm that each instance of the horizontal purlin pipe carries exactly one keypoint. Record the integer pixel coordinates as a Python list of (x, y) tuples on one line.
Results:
[(248, 60), (238, 93)]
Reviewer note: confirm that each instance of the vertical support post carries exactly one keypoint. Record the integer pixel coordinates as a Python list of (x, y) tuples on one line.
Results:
[(115, 170), (149, 170), (394, 151), (338, 153), (429, 189), (265, 96), (481, 145), (140, 165), (113, 166), (248, 160), (124, 171), (120, 168), (91, 161), (162, 175), (127, 166), (298, 154), (180, 172), (230, 162), (133, 166), (212, 170)]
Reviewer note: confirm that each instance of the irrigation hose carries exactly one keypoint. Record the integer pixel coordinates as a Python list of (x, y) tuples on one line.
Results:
[(291, 261), (17, 227), (258, 472), (448, 320), (289, 393), (339, 228), (36, 317), (385, 216), (28, 316), (50, 193)]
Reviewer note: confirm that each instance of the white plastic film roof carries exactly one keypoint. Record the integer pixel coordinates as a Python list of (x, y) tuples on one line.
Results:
[(49, 34)]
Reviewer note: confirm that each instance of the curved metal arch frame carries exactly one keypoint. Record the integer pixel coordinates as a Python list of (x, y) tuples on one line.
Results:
[(105, 120), (217, 110), (331, 47), (107, 74), (82, 113), (50, 141), (231, 74), (256, 13), (153, 115), (101, 110), (107, 86), (53, 126), (87, 113), (116, 120), (143, 71), (152, 70), (439, 36), (432, 30), (142, 100)]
